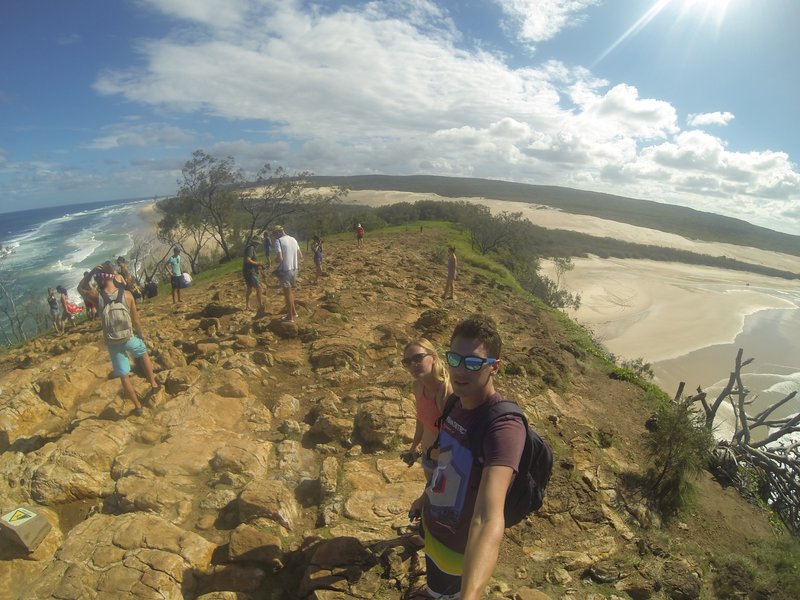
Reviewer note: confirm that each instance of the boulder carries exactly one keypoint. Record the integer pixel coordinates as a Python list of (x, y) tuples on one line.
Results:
[(271, 500), (127, 556), (249, 543), (180, 379)]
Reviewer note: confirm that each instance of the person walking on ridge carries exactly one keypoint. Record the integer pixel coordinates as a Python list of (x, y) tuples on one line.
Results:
[(452, 272), (250, 267), (359, 235), (287, 259), (122, 330), (173, 270), (55, 314), (319, 254)]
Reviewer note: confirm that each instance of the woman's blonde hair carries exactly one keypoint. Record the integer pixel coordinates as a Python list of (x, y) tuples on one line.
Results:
[(439, 370)]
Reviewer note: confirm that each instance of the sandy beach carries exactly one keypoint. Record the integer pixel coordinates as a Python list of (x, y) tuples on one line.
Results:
[(658, 311)]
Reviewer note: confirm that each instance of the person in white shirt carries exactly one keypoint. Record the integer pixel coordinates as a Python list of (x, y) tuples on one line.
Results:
[(287, 258)]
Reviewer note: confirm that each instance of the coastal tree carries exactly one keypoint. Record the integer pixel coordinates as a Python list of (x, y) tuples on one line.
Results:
[(490, 233), (15, 316), (277, 195), (183, 228), (207, 195), (764, 450)]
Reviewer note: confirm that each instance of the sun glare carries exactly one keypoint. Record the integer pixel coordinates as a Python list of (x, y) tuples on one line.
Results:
[(706, 10), (700, 11)]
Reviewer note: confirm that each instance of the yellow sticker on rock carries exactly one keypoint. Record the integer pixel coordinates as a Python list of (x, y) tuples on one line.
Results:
[(18, 516)]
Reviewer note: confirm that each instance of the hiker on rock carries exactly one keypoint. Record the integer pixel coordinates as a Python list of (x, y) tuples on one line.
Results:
[(122, 329), (319, 255), (55, 313), (287, 259), (359, 235), (174, 272), (250, 267), (91, 309), (431, 388), (452, 272), (462, 507), (70, 311)]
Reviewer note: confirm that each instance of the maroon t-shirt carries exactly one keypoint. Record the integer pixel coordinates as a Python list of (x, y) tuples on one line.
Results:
[(453, 488)]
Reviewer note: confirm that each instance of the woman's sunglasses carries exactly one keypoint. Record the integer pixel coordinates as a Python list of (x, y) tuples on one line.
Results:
[(415, 359), (471, 363)]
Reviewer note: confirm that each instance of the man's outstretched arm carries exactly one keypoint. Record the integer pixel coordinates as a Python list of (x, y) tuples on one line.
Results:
[(485, 531)]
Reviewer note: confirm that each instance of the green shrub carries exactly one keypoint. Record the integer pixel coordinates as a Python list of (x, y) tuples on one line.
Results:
[(678, 449)]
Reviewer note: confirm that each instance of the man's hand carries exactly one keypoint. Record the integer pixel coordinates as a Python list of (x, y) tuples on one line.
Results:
[(410, 456), (415, 512)]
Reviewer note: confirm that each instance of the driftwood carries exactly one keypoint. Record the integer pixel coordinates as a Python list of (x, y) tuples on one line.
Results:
[(761, 445)]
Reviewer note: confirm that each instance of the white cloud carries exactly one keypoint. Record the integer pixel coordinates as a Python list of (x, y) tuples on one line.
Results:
[(68, 39), (540, 20), (213, 13), (714, 118), (141, 136), (387, 89)]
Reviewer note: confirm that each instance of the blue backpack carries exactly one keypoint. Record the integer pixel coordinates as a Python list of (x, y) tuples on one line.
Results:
[(526, 493)]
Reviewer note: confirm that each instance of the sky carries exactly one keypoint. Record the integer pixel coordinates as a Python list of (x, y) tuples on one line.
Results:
[(690, 102)]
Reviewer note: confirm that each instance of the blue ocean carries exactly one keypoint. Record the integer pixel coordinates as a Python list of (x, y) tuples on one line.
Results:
[(46, 247)]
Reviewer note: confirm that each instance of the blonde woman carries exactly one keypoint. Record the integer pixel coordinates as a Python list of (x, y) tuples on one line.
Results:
[(431, 389)]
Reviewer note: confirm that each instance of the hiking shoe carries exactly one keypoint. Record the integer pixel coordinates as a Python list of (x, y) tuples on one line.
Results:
[(138, 411)]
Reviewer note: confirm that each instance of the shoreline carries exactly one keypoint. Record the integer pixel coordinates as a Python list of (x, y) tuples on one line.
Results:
[(661, 311)]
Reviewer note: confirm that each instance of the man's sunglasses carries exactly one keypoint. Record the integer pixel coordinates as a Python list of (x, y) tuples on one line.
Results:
[(414, 359), (471, 363)]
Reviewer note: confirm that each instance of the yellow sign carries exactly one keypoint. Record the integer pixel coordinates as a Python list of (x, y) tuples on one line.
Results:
[(18, 516)]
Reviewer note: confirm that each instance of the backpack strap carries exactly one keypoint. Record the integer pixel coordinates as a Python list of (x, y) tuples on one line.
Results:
[(448, 407), (107, 299), (495, 411)]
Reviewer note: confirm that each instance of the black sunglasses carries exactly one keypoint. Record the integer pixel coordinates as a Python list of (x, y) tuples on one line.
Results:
[(415, 359), (471, 363)]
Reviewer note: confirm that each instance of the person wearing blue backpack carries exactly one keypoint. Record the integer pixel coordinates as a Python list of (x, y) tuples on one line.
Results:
[(483, 444)]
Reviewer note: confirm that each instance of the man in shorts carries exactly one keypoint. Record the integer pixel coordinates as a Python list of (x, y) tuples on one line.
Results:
[(287, 259), (250, 272), (123, 335), (173, 269)]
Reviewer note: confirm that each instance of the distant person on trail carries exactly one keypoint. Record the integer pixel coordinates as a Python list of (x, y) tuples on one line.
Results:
[(431, 388), (319, 254), (463, 516), (287, 259), (70, 310), (250, 267), (125, 274), (122, 330), (91, 309), (55, 313), (359, 235), (173, 270), (452, 271), (267, 247)]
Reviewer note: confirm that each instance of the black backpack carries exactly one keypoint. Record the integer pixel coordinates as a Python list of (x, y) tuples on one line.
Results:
[(526, 493)]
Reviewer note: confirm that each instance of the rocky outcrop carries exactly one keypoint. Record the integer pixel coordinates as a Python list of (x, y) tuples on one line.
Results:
[(269, 466)]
